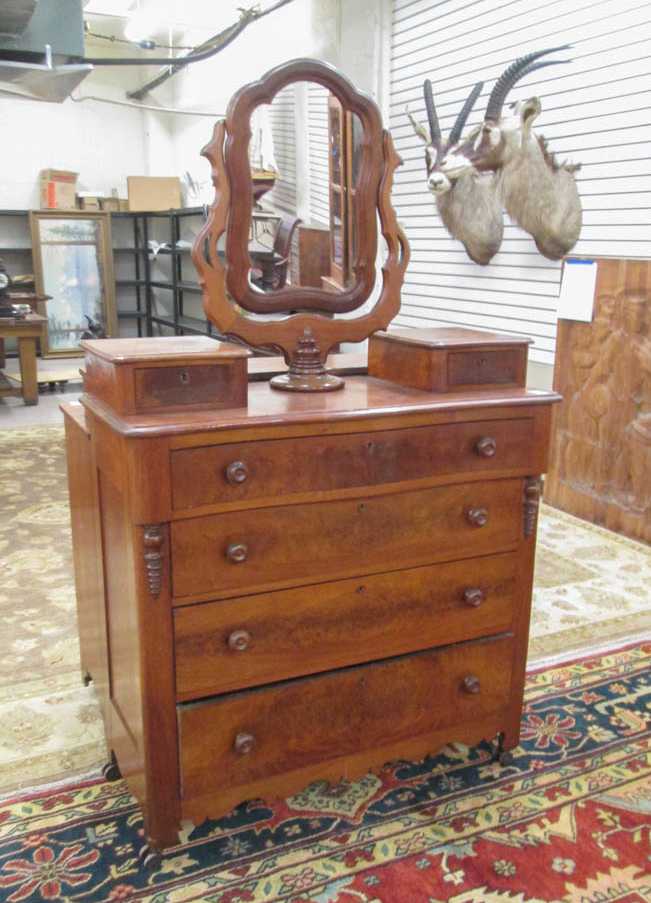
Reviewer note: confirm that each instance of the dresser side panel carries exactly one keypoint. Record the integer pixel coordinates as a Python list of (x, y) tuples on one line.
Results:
[(87, 555)]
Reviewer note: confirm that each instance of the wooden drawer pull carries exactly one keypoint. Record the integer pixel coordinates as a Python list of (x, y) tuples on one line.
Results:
[(237, 552), (239, 640), (473, 596), (486, 447), (237, 472), (478, 517), (244, 744), (470, 684)]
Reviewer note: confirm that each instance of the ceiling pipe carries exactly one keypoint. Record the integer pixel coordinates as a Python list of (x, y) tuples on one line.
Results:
[(146, 106), (202, 52)]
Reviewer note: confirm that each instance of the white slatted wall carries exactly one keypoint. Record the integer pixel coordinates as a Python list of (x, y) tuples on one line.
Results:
[(282, 119), (596, 110), (317, 143)]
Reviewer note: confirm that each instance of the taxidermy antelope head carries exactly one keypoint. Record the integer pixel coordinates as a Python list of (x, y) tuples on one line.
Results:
[(467, 201), (538, 193)]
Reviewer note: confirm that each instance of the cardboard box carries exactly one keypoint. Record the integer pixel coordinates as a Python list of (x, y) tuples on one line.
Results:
[(58, 196), (58, 189), (154, 193), (58, 175), (110, 204), (88, 202), (124, 205)]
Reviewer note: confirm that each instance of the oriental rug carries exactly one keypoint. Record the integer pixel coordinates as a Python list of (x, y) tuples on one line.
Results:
[(568, 822), (592, 587)]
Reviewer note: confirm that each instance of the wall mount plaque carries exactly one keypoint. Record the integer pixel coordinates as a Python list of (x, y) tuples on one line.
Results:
[(301, 322)]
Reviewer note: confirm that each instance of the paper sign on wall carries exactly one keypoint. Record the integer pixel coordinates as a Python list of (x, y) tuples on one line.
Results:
[(576, 300)]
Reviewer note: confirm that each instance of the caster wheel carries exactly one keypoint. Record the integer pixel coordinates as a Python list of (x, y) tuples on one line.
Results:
[(149, 857), (499, 754), (111, 771)]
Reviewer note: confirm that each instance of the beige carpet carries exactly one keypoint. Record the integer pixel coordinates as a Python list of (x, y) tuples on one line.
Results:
[(592, 588), (50, 725)]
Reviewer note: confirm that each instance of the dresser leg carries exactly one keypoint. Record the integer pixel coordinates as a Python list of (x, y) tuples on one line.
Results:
[(111, 771), (150, 857), (500, 753)]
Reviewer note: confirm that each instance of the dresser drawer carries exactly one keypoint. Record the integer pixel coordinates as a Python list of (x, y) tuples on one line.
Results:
[(268, 469), (244, 642), (268, 548), (163, 388), (242, 738)]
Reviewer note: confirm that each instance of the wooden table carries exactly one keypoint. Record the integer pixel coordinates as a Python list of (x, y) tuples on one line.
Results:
[(27, 332), (266, 258), (263, 257), (18, 297)]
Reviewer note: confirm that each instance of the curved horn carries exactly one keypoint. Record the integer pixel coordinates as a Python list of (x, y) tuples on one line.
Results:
[(461, 119), (508, 79), (434, 127), (535, 66)]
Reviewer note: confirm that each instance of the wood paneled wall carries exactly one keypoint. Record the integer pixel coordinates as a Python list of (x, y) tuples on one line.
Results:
[(601, 453)]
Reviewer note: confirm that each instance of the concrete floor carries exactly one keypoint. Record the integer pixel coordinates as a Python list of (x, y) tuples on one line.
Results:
[(14, 414)]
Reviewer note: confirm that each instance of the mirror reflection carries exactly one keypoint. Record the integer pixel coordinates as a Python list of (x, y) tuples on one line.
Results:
[(305, 157)]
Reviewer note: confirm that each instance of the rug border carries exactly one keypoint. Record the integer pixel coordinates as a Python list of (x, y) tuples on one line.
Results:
[(598, 652)]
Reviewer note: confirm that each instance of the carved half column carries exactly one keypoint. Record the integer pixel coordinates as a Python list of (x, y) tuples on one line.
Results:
[(153, 556), (532, 494)]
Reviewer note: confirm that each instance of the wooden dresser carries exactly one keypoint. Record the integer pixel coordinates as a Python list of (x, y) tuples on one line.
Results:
[(304, 587)]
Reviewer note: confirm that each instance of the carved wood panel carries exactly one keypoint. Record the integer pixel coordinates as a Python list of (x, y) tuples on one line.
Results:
[(601, 443)]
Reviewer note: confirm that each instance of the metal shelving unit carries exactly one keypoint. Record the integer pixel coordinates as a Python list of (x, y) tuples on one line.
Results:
[(141, 310), (16, 255), (146, 284), (136, 289)]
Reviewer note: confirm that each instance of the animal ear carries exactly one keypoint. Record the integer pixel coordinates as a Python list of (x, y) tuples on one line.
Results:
[(529, 111)]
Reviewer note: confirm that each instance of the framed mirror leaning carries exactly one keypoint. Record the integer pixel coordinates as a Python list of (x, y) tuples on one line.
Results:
[(349, 185), (73, 265)]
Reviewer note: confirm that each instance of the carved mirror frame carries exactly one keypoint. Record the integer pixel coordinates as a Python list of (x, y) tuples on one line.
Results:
[(304, 338)]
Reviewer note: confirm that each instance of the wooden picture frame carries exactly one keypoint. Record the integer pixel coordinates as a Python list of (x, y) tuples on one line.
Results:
[(62, 263)]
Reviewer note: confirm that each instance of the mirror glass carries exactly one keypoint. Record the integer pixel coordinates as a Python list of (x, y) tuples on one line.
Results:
[(305, 157)]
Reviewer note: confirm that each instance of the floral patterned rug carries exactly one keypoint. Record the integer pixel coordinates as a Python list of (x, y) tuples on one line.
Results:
[(568, 822), (592, 588)]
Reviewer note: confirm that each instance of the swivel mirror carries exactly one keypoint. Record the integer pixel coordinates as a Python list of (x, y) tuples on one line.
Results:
[(248, 292)]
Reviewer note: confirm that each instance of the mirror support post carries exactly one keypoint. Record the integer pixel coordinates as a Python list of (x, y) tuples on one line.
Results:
[(307, 373)]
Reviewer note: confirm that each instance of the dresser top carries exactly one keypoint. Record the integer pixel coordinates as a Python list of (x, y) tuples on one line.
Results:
[(362, 398), (160, 349), (453, 337)]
